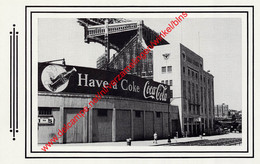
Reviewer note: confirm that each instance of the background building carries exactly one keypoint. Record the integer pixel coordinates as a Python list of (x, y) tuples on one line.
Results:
[(221, 111), (192, 87), (227, 120)]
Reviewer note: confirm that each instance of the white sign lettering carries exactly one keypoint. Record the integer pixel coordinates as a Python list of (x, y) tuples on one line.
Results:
[(157, 93)]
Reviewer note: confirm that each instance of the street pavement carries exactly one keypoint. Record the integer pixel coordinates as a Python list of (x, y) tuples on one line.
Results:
[(159, 142)]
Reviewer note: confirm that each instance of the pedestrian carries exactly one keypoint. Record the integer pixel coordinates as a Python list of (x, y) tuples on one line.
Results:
[(155, 138)]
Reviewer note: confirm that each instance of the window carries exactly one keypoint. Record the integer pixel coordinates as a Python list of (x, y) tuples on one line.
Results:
[(201, 98), (183, 69), (198, 110), (158, 114), (171, 94), (102, 112), (162, 81), (166, 82), (192, 73), (43, 111), (189, 88), (163, 69), (170, 83), (197, 93), (185, 128), (193, 92), (183, 56), (143, 73), (137, 113), (185, 120), (188, 72), (184, 88), (169, 68)]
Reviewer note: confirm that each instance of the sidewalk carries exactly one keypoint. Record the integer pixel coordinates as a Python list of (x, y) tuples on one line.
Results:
[(159, 142)]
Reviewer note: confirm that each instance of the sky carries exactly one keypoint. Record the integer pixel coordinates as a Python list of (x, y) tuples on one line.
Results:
[(217, 40)]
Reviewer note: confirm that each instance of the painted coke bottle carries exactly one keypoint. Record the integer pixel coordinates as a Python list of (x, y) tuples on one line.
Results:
[(61, 79)]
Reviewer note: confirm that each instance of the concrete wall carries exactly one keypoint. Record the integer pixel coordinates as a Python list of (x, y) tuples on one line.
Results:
[(102, 126), (158, 125), (174, 61), (138, 126), (47, 132), (119, 124), (165, 124), (123, 125), (149, 125)]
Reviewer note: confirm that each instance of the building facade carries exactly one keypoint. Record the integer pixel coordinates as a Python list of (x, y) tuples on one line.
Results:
[(126, 111), (192, 88)]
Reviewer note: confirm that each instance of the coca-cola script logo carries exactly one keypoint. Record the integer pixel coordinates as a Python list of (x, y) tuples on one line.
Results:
[(55, 78), (158, 93)]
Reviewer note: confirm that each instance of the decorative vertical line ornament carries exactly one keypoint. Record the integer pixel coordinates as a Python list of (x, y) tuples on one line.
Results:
[(14, 81)]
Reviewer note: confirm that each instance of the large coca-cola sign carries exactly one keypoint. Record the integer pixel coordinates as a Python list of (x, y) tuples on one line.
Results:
[(82, 80), (158, 93)]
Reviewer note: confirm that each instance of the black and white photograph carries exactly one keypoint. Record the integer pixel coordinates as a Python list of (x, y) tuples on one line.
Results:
[(164, 83), (197, 106)]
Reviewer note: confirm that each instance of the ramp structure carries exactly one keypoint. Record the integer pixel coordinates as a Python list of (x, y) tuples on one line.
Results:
[(126, 37)]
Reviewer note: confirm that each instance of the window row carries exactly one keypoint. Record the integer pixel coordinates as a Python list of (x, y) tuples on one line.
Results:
[(167, 82), (192, 89), (169, 69), (195, 75), (190, 72), (45, 111), (190, 60), (138, 114)]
